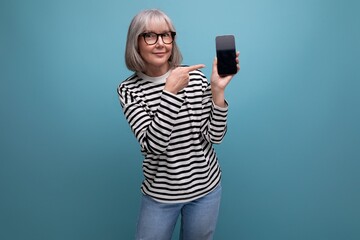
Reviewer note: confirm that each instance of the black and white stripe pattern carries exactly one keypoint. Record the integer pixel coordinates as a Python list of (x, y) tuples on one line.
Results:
[(176, 133)]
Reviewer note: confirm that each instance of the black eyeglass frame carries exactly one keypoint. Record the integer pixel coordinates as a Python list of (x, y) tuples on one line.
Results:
[(173, 34)]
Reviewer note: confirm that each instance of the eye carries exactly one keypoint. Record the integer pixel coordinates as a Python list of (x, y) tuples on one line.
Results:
[(167, 35), (150, 35)]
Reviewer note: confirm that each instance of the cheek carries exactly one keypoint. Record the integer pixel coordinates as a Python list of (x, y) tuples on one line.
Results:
[(141, 48), (142, 53)]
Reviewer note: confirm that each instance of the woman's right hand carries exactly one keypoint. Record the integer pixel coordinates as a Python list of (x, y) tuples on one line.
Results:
[(179, 78)]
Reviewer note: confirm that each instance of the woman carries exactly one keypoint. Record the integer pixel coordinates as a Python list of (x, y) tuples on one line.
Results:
[(176, 116)]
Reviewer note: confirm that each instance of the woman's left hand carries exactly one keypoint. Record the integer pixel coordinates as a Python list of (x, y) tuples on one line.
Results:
[(219, 83)]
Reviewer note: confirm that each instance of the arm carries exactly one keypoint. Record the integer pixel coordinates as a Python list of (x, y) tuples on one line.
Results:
[(215, 122), (152, 131), (214, 118)]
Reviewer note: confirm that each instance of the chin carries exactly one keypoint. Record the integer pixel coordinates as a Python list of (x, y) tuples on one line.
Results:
[(161, 63)]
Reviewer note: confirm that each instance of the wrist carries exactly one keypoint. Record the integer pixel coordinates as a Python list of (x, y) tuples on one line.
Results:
[(170, 90), (219, 98)]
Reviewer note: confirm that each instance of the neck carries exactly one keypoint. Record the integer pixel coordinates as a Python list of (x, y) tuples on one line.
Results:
[(156, 71)]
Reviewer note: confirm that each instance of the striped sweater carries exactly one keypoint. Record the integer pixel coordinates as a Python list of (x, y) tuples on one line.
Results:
[(176, 133)]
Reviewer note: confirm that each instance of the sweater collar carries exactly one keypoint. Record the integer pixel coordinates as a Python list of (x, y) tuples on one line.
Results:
[(159, 79)]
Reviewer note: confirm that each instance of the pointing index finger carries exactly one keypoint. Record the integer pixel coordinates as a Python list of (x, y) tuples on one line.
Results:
[(194, 67)]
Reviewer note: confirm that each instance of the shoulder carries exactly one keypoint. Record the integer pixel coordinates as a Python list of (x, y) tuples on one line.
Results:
[(130, 82), (198, 77), (198, 74)]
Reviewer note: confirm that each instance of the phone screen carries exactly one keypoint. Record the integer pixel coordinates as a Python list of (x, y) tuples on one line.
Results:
[(226, 54)]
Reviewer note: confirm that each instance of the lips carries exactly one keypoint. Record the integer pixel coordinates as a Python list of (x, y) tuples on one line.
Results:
[(160, 53)]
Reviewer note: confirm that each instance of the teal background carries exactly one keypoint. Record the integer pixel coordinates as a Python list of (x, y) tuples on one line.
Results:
[(70, 167)]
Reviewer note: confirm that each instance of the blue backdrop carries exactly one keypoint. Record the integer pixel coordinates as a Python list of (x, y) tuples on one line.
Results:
[(70, 167)]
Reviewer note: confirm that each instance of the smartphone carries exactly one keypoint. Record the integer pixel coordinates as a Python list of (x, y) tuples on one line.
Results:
[(226, 55)]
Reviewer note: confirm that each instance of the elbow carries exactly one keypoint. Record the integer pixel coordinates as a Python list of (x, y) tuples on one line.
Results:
[(217, 136), (154, 147)]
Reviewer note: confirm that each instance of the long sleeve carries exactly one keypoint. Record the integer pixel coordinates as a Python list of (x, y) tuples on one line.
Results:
[(214, 121), (152, 131)]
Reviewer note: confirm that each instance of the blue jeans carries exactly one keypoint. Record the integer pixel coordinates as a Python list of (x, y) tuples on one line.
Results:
[(198, 218)]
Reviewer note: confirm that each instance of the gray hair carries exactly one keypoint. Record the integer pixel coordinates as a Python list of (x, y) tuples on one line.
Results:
[(138, 25)]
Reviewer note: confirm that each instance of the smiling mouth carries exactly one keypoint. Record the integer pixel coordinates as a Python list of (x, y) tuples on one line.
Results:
[(160, 55)]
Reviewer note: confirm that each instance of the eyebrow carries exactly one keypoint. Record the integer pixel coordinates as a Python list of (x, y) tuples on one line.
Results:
[(148, 31)]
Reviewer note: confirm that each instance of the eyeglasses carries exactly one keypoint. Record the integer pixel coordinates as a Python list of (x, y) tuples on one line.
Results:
[(151, 38)]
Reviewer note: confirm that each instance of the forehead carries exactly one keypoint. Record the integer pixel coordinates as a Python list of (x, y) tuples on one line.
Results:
[(157, 24)]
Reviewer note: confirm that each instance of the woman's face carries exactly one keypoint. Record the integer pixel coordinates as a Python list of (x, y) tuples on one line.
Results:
[(156, 56)]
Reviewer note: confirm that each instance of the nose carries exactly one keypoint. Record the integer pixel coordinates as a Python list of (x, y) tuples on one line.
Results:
[(160, 42)]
